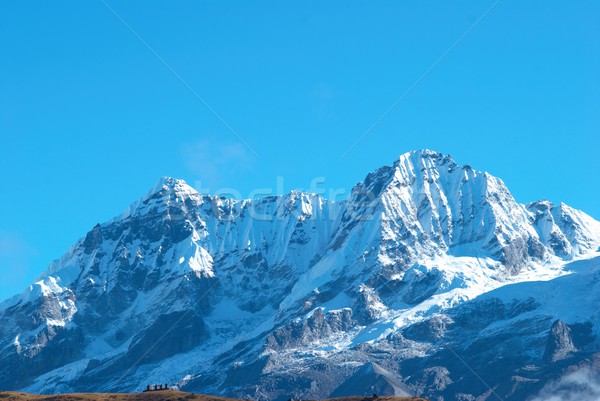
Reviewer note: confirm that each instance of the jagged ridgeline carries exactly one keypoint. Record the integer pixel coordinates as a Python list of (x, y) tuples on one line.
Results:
[(429, 271)]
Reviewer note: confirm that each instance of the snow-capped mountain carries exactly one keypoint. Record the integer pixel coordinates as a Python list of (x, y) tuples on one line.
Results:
[(430, 279)]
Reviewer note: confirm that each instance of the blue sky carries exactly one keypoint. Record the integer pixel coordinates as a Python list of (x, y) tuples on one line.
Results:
[(92, 114)]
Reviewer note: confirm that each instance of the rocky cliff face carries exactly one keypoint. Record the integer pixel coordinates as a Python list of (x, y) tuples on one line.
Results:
[(429, 273), (559, 345)]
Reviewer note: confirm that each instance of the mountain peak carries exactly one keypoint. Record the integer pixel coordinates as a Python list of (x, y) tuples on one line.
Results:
[(419, 165), (169, 188), (424, 157), (165, 190), (422, 153), (173, 185)]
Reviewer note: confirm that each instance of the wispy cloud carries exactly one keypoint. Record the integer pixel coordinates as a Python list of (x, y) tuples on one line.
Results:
[(179, 78), (215, 163), (322, 97), (583, 384), (15, 256)]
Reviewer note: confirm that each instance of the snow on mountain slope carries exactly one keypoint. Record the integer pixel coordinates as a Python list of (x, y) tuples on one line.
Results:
[(301, 295)]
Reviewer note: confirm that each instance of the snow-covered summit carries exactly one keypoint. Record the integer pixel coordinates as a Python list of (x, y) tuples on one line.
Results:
[(166, 192), (425, 203), (171, 184)]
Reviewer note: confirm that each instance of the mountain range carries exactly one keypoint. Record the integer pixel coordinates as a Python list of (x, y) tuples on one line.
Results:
[(429, 280)]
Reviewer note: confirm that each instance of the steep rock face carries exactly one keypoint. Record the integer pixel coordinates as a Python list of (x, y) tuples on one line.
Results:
[(428, 204), (566, 231), (372, 379), (559, 345), (298, 294), (316, 327)]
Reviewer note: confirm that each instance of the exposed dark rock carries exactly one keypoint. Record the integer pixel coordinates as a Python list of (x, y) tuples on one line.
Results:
[(559, 345)]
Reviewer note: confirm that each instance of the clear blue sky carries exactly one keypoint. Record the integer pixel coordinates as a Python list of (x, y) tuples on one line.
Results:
[(90, 118)]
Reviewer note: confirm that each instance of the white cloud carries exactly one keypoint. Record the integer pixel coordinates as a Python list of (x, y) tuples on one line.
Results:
[(215, 163), (322, 97), (582, 385)]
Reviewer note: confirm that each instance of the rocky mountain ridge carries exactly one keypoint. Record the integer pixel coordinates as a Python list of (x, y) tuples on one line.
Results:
[(301, 295)]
